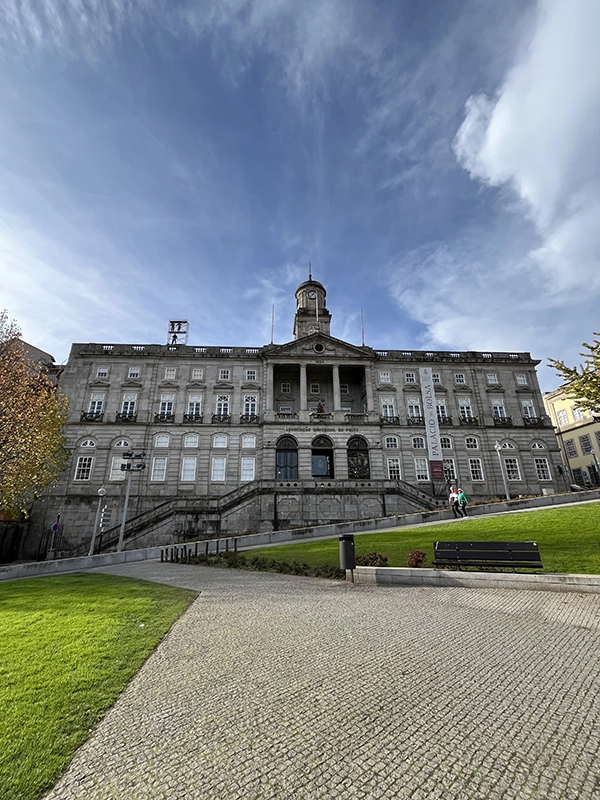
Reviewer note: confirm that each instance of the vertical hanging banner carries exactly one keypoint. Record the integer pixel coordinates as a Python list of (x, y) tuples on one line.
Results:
[(432, 431)]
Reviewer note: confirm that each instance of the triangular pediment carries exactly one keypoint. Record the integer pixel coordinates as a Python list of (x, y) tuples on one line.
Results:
[(319, 345)]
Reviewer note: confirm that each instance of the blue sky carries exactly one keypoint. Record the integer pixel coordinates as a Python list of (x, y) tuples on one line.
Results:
[(437, 162)]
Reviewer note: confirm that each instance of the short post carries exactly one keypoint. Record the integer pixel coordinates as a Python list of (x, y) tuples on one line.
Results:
[(101, 493)]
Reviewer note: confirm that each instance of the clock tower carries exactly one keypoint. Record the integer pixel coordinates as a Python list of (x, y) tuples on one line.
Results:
[(311, 314)]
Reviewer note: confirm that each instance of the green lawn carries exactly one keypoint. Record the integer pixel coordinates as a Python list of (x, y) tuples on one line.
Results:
[(568, 538), (68, 646)]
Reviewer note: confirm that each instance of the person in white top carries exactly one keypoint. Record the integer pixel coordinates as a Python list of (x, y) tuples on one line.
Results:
[(453, 501)]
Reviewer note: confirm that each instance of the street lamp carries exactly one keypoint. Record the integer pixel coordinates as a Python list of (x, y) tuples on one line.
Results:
[(128, 467), (101, 493), (498, 448)]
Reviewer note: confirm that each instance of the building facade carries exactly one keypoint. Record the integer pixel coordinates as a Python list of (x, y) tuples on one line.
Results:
[(578, 434), (315, 430)]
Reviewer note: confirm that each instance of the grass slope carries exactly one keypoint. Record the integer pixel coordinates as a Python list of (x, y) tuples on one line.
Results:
[(568, 539), (68, 646)]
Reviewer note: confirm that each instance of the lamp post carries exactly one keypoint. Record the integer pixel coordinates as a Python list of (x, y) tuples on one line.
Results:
[(101, 493), (498, 448), (128, 467)]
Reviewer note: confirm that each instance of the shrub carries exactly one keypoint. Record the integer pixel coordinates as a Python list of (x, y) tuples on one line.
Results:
[(416, 558), (372, 560)]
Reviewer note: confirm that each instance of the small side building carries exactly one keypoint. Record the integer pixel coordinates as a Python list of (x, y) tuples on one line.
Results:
[(578, 433)]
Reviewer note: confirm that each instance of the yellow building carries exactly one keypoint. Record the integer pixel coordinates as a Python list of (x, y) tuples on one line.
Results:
[(578, 434)]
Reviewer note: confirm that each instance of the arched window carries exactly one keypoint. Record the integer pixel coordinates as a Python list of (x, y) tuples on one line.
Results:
[(391, 442), (537, 446), (248, 440), (162, 440), (418, 442), (88, 443), (286, 459), (358, 458), (122, 443), (190, 440), (220, 440), (322, 457), (508, 446), (446, 442), (471, 443)]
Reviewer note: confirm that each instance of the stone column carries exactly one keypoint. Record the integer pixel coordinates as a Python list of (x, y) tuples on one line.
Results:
[(337, 402), (369, 388), (269, 387), (303, 389)]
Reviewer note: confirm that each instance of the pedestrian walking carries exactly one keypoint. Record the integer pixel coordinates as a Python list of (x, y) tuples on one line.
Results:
[(453, 501), (462, 503)]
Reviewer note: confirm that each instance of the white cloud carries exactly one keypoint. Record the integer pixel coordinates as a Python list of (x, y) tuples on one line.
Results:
[(541, 136)]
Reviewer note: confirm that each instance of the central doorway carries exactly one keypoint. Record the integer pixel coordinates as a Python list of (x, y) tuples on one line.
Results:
[(322, 457)]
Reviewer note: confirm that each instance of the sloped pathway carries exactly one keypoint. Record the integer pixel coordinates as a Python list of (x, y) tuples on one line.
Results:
[(274, 686)]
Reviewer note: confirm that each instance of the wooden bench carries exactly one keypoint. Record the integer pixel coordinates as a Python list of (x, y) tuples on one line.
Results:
[(497, 555)]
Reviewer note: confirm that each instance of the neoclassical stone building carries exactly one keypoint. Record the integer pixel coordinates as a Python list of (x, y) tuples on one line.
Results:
[(285, 435)]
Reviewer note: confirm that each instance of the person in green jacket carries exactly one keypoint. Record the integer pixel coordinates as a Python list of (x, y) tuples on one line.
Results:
[(462, 503)]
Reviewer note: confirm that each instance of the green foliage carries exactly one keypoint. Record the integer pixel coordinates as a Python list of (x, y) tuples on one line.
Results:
[(32, 415), (261, 564), (372, 560), (567, 537), (68, 646), (416, 558), (583, 382)]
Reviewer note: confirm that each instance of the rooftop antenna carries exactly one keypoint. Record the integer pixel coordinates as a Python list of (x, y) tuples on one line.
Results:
[(272, 322), (362, 325), (309, 271)]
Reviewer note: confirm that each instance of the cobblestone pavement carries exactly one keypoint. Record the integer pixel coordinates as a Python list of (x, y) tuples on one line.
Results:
[(274, 686)]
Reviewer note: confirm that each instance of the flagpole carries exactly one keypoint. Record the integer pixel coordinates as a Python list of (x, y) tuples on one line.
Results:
[(272, 322), (362, 326)]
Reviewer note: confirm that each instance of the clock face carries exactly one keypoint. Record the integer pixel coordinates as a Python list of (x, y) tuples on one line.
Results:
[(312, 294), (313, 329)]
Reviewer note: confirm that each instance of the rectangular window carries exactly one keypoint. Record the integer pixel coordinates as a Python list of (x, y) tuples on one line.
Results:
[(198, 373), (585, 442), (413, 407), (224, 374), (387, 407), (391, 442), (188, 468), (250, 402), (285, 409), (435, 377), (133, 373), (384, 377), (459, 378), (393, 465), (166, 403), (249, 440), (217, 472), (159, 468), (250, 374), (598, 439), (286, 388), (578, 414), (222, 405), (476, 469), (570, 448), (116, 473), (449, 469), (440, 407), (521, 379), (528, 409), (83, 470), (170, 373), (561, 417), (314, 388), (542, 469), (344, 388), (410, 377), (220, 440), (96, 403), (102, 372), (492, 378), (128, 406), (421, 469), (498, 409), (194, 405), (464, 407), (247, 469), (511, 466)]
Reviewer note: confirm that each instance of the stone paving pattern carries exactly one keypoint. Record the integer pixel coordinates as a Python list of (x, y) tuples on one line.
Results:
[(274, 686)]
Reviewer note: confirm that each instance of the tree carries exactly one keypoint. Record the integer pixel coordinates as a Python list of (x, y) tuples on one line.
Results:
[(32, 414), (583, 383)]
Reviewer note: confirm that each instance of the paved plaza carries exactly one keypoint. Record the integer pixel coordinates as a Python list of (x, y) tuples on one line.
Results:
[(274, 686)]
